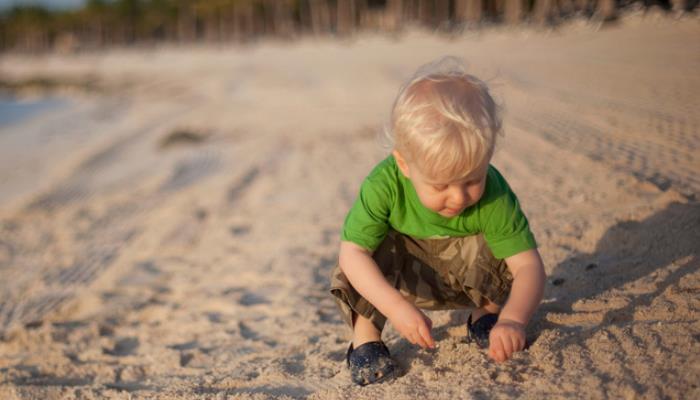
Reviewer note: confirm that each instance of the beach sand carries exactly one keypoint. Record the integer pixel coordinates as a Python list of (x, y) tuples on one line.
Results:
[(170, 234)]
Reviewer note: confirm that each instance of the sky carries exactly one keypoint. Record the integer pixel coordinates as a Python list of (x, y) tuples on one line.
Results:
[(49, 3)]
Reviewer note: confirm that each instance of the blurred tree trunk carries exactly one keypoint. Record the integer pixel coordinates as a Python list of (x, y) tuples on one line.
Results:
[(606, 10), (208, 12), (130, 11), (425, 12), (544, 12), (259, 25), (492, 9), (226, 21), (410, 10), (244, 19), (98, 31), (393, 14), (468, 10), (679, 5), (442, 12), (513, 11), (585, 6), (186, 22), (304, 15), (320, 16), (567, 7), (345, 17), (281, 17), (362, 15)]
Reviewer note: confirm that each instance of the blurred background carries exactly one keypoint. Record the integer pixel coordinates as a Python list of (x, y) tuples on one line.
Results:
[(70, 25)]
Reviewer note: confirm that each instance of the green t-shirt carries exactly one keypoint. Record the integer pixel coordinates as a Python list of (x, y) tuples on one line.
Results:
[(388, 200)]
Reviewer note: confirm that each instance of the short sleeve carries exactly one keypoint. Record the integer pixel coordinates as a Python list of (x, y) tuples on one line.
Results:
[(505, 227), (367, 222)]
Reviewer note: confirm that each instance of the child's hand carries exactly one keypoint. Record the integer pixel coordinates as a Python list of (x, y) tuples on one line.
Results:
[(412, 324), (506, 338)]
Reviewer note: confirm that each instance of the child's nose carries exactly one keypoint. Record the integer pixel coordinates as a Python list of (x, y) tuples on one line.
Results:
[(458, 195)]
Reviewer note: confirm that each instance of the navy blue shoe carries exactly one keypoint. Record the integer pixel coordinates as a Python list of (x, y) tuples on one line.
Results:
[(371, 363), (479, 331)]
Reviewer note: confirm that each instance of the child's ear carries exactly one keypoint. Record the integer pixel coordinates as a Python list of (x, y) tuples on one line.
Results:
[(401, 163)]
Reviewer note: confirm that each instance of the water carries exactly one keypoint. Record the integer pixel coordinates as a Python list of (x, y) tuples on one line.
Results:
[(14, 110)]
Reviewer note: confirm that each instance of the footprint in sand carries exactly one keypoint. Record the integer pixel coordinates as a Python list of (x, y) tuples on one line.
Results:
[(190, 171), (293, 365)]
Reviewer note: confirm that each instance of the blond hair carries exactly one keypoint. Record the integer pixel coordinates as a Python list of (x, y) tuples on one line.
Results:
[(444, 121)]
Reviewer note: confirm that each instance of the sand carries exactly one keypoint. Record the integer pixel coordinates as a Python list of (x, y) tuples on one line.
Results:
[(169, 235)]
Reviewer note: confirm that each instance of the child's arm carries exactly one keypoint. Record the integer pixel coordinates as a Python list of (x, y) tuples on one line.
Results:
[(508, 336), (364, 275)]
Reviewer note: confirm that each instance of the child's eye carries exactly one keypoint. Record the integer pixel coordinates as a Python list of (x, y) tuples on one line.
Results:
[(439, 188)]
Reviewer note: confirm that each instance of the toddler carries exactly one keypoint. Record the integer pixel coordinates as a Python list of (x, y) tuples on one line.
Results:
[(435, 226)]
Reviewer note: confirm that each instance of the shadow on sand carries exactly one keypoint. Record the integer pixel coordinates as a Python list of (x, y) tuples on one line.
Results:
[(627, 252)]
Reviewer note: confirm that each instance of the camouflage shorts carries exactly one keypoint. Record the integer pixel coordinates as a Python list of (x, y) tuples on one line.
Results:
[(433, 274)]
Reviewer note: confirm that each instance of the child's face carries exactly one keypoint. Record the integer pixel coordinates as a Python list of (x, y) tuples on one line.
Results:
[(448, 199)]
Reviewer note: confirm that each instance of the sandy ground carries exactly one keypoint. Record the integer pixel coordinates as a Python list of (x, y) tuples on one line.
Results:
[(138, 263)]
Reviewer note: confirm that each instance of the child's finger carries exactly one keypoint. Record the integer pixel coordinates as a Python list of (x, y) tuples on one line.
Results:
[(516, 343), (498, 355), (420, 341), (502, 350), (412, 339), (492, 348), (512, 346), (496, 349), (424, 331), (507, 345)]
